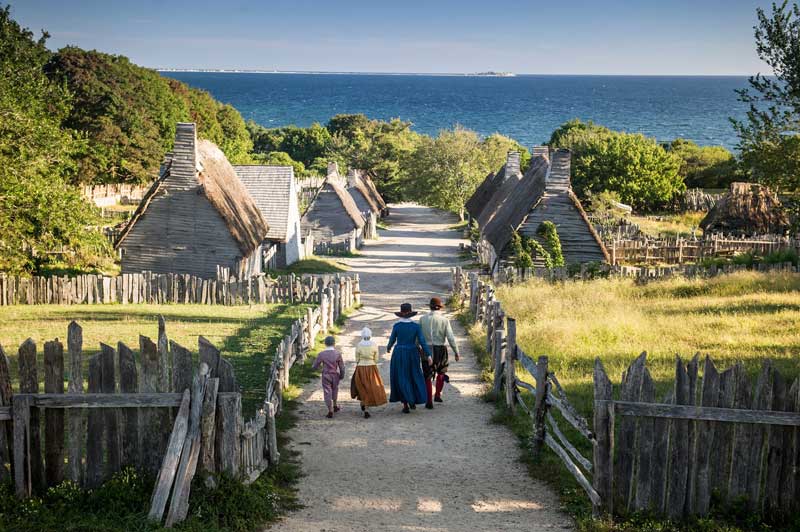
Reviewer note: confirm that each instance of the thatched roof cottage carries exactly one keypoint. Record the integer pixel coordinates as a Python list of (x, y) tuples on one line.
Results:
[(195, 217), (361, 194), (747, 209), (333, 218), (505, 181), (545, 194), (274, 191)]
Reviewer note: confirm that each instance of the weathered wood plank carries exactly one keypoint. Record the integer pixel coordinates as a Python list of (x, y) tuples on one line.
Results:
[(54, 419), (777, 446), (77, 418), (152, 421), (759, 434), (209, 355), (227, 379), (29, 383), (624, 466), (108, 385), (6, 429), (208, 435), (229, 427), (604, 437), (740, 471), (661, 429), (722, 457), (129, 384), (691, 374), (181, 367), (22, 446), (179, 505), (790, 483), (94, 429), (688, 412), (169, 464), (707, 443), (164, 358), (572, 468), (642, 487)]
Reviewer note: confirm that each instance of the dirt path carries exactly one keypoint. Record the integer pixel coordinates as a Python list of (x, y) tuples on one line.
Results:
[(450, 469)]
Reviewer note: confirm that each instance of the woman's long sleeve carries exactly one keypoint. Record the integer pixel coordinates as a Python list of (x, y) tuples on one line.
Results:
[(375, 353), (392, 339)]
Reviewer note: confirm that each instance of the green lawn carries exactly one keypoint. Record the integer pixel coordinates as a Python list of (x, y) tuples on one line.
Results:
[(747, 316), (670, 225), (313, 265), (246, 335)]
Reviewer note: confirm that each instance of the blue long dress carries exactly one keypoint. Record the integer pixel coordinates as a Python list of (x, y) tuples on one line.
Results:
[(405, 371)]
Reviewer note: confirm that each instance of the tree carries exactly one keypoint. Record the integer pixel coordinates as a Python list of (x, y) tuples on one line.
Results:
[(769, 138), (636, 167), (444, 172), (280, 158), (704, 166), (496, 147), (39, 210)]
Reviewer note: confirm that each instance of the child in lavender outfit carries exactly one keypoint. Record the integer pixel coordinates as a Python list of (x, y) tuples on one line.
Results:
[(332, 372)]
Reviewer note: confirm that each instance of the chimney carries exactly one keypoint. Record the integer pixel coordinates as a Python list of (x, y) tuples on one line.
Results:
[(540, 151), (333, 169), (512, 163), (352, 177)]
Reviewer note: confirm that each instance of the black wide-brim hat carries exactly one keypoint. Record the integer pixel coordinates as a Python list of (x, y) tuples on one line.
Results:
[(405, 311)]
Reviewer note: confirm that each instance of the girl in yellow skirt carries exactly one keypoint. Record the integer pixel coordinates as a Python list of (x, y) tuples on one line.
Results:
[(367, 385)]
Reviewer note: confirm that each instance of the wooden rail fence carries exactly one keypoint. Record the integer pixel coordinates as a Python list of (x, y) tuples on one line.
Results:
[(162, 415), (153, 288), (716, 435)]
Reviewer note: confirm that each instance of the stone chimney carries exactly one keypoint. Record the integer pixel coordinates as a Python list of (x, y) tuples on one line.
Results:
[(333, 169), (540, 151), (512, 163)]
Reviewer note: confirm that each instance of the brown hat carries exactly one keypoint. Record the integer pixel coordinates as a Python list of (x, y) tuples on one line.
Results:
[(436, 303), (405, 311)]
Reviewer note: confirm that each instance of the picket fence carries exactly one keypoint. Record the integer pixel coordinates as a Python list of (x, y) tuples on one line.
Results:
[(154, 288), (114, 194), (724, 436), (162, 416)]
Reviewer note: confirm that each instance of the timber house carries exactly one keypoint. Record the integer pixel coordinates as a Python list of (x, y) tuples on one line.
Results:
[(274, 190), (196, 217), (505, 181), (333, 218), (361, 194), (543, 194)]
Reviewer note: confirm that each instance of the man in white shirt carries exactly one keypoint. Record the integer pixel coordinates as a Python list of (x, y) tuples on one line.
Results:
[(437, 330)]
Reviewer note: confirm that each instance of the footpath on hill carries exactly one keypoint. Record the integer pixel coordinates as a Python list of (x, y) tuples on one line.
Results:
[(447, 469)]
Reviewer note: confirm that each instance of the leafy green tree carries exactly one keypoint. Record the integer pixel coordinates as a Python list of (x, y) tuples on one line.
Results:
[(769, 138), (39, 210), (302, 144), (636, 167), (496, 147), (280, 158), (235, 143), (445, 171), (704, 166)]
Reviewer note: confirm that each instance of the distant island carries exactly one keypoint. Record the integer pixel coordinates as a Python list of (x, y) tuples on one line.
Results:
[(494, 74)]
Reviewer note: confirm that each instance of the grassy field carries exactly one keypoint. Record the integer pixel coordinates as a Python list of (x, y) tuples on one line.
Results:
[(245, 335), (747, 317), (670, 224), (313, 265)]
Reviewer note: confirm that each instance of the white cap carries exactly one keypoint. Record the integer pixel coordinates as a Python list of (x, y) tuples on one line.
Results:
[(366, 333)]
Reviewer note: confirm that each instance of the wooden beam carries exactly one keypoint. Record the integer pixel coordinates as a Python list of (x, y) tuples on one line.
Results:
[(705, 413)]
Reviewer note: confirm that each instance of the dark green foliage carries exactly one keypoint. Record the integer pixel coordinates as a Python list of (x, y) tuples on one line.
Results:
[(280, 158), (39, 210), (769, 139), (304, 145), (128, 115), (705, 166), (525, 248), (636, 167)]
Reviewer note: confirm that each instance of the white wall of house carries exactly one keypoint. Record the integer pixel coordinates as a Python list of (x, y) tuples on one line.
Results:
[(293, 243)]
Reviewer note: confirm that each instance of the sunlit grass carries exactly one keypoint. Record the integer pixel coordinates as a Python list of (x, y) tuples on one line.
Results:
[(680, 224)]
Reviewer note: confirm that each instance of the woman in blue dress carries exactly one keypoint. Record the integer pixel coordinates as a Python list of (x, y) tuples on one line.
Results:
[(405, 373)]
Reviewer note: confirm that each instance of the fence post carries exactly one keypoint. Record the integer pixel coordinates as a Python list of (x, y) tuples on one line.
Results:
[(357, 289), (511, 357), (541, 405), (603, 456)]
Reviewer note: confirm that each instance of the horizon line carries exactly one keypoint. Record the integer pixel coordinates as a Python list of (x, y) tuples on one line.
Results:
[(498, 74)]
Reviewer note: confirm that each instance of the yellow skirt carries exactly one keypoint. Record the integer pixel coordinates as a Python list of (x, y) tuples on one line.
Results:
[(367, 386)]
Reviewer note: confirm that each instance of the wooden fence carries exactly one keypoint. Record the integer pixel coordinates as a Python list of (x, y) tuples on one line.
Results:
[(162, 416), (154, 288), (722, 435), (113, 194), (353, 243), (511, 275), (719, 434), (681, 250)]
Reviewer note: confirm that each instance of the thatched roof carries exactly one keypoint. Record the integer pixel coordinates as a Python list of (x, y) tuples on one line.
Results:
[(373, 190), (545, 193), (527, 193), (481, 196), (747, 209), (347, 201), (202, 164), (361, 193), (507, 179)]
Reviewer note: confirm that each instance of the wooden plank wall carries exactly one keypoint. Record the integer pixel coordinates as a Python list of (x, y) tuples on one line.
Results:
[(152, 288)]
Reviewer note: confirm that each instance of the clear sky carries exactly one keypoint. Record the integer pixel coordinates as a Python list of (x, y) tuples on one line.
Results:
[(567, 37)]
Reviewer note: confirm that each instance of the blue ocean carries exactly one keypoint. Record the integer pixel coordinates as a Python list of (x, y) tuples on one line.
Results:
[(526, 107)]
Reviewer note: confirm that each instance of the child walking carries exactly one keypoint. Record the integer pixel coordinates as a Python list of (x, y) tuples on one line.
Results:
[(332, 372)]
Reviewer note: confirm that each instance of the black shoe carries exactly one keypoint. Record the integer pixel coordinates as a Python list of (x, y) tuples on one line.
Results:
[(330, 415), (438, 399), (363, 408), (412, 406), (429, 406), (366, 415), (406, 410)]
